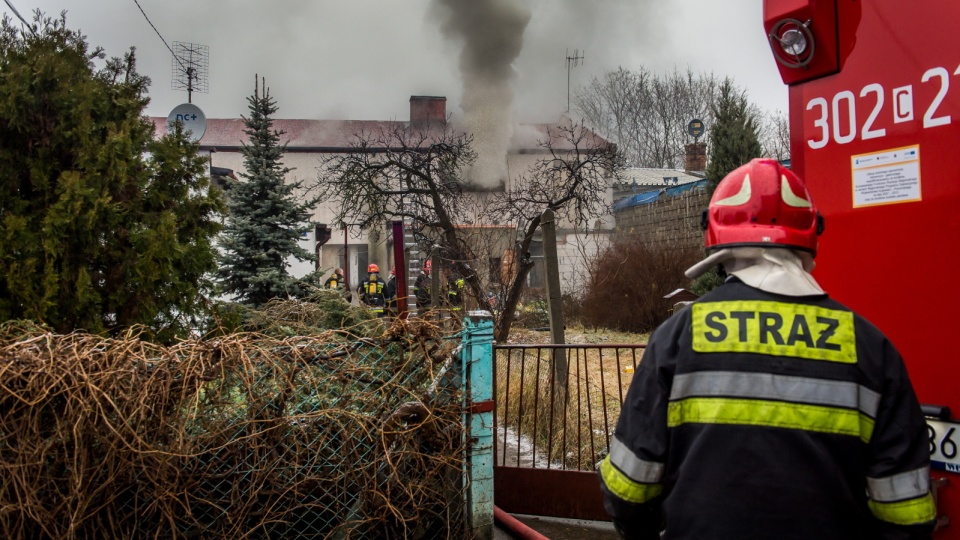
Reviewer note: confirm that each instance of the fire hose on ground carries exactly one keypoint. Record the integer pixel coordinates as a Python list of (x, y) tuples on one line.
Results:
[(514, 526)]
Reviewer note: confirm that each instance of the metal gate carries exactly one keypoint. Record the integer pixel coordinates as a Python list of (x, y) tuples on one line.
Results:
[(556, 409)]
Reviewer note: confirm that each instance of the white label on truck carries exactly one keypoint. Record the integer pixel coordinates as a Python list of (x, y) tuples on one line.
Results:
[(886, 177)]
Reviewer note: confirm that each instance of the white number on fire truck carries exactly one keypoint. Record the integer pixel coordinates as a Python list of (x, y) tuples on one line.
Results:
[(838, 116)]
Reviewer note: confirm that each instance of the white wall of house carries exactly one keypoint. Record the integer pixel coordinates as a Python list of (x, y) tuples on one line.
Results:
[(575, 247)]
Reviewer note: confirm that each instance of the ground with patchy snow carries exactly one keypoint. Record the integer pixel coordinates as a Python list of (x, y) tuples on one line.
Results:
[(577, 334)]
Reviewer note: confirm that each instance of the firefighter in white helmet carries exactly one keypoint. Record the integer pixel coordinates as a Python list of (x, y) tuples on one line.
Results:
[(766, 409)]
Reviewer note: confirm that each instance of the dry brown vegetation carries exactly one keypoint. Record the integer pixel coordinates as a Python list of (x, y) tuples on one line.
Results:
[(569, 428), (239, 436), (628, 282)]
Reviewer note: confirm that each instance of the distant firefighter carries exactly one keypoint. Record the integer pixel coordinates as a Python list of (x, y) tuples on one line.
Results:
[(421, 288), (371, 291)]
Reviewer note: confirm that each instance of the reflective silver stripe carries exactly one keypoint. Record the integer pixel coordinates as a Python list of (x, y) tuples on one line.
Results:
[(899, 487), (778, 387), (639, 470)]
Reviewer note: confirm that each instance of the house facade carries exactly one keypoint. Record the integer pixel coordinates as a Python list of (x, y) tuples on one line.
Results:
[(311, 142)]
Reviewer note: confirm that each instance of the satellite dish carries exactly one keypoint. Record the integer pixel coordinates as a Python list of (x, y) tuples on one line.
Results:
[(193, 120)]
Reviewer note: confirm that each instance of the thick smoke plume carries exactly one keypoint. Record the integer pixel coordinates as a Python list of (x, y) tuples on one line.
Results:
[(491, 32)]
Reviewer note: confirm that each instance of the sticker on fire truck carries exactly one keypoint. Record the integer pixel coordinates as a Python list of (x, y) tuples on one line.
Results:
[(887, 177), (944, 445)]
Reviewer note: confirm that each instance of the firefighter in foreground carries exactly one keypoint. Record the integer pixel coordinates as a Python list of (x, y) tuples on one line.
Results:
[(371, 291), (766, 409)]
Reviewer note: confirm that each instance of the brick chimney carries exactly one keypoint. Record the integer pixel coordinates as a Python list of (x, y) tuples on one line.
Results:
[(428, 110), (696, 157)]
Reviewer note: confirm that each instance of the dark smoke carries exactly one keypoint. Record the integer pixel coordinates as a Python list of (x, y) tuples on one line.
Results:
[(491, 33)]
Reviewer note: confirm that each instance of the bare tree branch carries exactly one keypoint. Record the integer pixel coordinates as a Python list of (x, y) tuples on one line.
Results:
[(404, 172), (572, 180)]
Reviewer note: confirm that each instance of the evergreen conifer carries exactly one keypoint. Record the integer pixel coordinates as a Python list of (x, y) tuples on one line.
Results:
[(102, 225), (733, 137), (267, 217)]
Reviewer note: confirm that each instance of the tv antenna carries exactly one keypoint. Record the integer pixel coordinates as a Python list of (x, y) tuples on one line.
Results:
[(191, 65), (572, 62)]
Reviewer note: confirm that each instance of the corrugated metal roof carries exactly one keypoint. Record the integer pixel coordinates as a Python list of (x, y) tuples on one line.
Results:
[(657, 177)]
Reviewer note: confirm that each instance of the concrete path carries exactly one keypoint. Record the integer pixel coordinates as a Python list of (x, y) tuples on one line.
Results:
[(563, 529)]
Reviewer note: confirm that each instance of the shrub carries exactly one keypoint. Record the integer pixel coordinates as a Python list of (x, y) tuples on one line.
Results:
[(323, 310), (533, 311), (572, 309), (628, 282), (707, 282)]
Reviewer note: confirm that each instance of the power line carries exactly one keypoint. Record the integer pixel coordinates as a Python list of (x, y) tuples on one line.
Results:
[(17, 13), (155, 30)]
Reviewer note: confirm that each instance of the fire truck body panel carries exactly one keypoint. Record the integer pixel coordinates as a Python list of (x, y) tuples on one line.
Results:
[(875, 131)]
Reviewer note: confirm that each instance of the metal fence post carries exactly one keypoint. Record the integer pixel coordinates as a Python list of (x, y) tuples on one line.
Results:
[(477, 364)]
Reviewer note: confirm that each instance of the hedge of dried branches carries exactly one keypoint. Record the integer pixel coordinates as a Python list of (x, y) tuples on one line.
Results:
[(241, 436)]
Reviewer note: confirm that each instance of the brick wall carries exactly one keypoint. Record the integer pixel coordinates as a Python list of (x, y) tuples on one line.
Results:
[(670, 221)]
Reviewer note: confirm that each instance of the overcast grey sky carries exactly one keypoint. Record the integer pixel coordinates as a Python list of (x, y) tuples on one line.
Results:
[(363, 59)]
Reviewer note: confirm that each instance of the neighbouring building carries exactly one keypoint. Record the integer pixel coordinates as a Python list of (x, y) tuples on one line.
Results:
[(309, 142)]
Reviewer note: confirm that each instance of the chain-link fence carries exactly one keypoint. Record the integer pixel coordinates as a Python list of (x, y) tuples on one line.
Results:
[(243, 436)]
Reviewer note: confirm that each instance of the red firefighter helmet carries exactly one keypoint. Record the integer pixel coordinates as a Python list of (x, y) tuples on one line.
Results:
[(427, 265), (762, 204), (373, 268)]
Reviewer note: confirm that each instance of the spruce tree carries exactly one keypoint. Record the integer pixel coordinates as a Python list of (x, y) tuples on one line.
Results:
[(266, 216), (102, 226), (733, 137)]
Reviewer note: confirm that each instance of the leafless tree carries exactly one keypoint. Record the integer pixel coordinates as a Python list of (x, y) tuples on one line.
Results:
[(410, 173), (647, 114), (571, 178), (774, 134), (402, 172)]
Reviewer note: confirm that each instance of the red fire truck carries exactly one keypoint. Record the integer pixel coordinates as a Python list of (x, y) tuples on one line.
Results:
[(875, 131)]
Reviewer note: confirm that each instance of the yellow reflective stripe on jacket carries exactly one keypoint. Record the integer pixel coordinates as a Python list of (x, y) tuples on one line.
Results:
[(909, 512), (754, 412), (774, 328), (622, 487)]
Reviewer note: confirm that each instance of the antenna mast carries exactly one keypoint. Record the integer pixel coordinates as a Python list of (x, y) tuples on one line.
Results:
[(191, 65), (572, 62)]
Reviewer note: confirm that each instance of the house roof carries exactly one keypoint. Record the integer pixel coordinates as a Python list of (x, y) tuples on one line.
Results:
[(337, 135), (229, 132)]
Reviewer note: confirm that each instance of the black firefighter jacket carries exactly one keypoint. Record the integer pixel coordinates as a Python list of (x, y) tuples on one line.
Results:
[(760, 416)]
